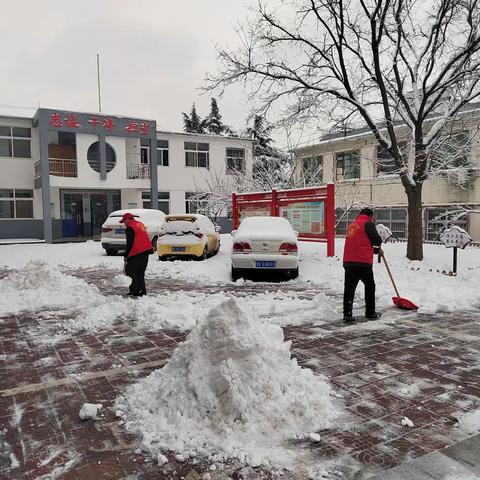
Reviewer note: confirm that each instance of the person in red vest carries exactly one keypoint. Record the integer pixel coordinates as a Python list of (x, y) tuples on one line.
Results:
[(362, 241), (136, 256)]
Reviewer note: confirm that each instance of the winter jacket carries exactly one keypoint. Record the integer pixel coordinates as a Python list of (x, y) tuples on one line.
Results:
[(361, 242), (138, 240)]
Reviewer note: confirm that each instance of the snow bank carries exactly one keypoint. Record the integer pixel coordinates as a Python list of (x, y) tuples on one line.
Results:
[(470, 421), (230, 390), (39, 286), (182, 311)]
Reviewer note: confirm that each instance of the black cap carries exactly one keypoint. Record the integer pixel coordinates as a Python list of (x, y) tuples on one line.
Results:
[(366, 211)]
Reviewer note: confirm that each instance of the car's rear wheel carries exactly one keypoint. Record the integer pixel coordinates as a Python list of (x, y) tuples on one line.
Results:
[(235, 274), (110, 252), (154, 243), (294, 273), (205, 253)]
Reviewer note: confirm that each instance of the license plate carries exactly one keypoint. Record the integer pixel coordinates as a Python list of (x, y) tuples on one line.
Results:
[(264, 264), (120, 230), (178, 249)]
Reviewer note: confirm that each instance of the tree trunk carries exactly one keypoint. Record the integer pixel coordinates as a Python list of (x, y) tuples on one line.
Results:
[(415, 226)]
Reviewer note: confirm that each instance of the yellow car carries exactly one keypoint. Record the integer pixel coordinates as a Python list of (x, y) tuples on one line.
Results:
[(191, 235)]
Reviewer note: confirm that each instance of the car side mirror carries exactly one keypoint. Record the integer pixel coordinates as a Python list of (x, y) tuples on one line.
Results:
[(233, 232), (296, 233), (217, 228)]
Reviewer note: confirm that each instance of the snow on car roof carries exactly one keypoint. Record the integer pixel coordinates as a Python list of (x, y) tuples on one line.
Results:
[(266, 227)]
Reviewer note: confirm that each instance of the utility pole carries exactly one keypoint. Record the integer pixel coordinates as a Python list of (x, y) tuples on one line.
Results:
[(98, 85)]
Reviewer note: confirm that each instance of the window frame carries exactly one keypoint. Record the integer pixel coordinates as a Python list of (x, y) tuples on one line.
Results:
[(163, 154), (12, 138), (163, 197), (14, 199), (308, 175), (355, 154), (235, 171), (195, 153)]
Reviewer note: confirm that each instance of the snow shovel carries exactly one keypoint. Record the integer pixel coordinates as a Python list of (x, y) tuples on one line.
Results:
[(398, 301)]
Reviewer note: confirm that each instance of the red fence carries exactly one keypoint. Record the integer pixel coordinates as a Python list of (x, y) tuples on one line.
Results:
[(311, 211)]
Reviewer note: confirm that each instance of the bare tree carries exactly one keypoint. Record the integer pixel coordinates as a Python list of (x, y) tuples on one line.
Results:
[(213, 194), (414, 62)]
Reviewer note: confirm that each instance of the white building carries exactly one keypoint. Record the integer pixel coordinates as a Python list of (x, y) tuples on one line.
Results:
[(362, 173), (62, 172)]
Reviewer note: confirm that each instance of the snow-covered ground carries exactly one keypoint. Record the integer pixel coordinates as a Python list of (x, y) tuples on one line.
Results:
[(46, 282), (223, 397)]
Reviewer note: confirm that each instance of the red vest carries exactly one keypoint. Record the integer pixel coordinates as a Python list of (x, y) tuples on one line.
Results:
[(141, 242), (357, 244)]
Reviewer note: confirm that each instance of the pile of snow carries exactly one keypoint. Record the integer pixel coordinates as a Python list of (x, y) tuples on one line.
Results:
[(470, 421), (38, 286), (90, 410), (231, 390)]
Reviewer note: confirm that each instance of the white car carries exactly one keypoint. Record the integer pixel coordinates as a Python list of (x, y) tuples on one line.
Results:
[(264, 243), (113, 232)]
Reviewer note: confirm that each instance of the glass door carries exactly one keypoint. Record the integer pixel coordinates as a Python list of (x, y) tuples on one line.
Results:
[(72, 214), (99, 211)]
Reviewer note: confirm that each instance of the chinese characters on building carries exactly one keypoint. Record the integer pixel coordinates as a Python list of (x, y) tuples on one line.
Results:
[(106, 124)]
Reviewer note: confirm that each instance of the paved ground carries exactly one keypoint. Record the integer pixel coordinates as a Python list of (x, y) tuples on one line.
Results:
[(424, 368)]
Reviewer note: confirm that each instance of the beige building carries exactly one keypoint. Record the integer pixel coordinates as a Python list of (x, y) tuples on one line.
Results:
[(364, 176)]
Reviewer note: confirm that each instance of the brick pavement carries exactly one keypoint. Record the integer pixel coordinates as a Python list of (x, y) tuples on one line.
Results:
[(424, 367)]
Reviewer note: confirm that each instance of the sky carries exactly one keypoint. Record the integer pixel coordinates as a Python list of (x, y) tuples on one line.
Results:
[(154, 56)]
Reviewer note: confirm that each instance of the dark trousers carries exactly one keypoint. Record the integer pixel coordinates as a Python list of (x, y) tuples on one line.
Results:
[(352, 276), (135, 269)]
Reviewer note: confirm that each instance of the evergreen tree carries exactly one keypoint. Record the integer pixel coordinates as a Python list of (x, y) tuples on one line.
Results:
[(271, 167), (213, 123), (193, 123)]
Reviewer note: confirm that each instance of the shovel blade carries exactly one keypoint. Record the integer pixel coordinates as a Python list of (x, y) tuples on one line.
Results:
[(404, 303)]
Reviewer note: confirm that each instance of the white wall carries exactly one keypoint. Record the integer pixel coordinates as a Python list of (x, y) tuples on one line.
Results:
[(177, 178)]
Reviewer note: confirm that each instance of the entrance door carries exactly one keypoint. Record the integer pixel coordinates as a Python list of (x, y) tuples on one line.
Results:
[(72, 218), (99, 211)]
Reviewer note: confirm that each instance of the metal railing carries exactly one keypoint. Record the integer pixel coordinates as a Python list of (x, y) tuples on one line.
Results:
[(59, 167), (62, 167), (139, 171)]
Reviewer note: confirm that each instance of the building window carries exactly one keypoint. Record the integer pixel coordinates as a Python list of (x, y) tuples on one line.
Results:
[(162, 153), (163, 201), (197, 154), (451, 151), (312, 170), (15, 142), (235, 161), (386, 163), (344, 219), (62, 145), (15, 203), (393, 218), (93, 157), (438, 219), (196, 202), (348, 165), (144, 151)]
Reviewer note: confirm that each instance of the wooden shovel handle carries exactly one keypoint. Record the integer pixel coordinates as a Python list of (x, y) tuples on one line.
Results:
[(390, 275)]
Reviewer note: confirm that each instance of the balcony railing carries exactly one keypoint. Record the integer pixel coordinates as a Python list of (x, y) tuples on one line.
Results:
[(140, 171), (59, 167), (62, 167)]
